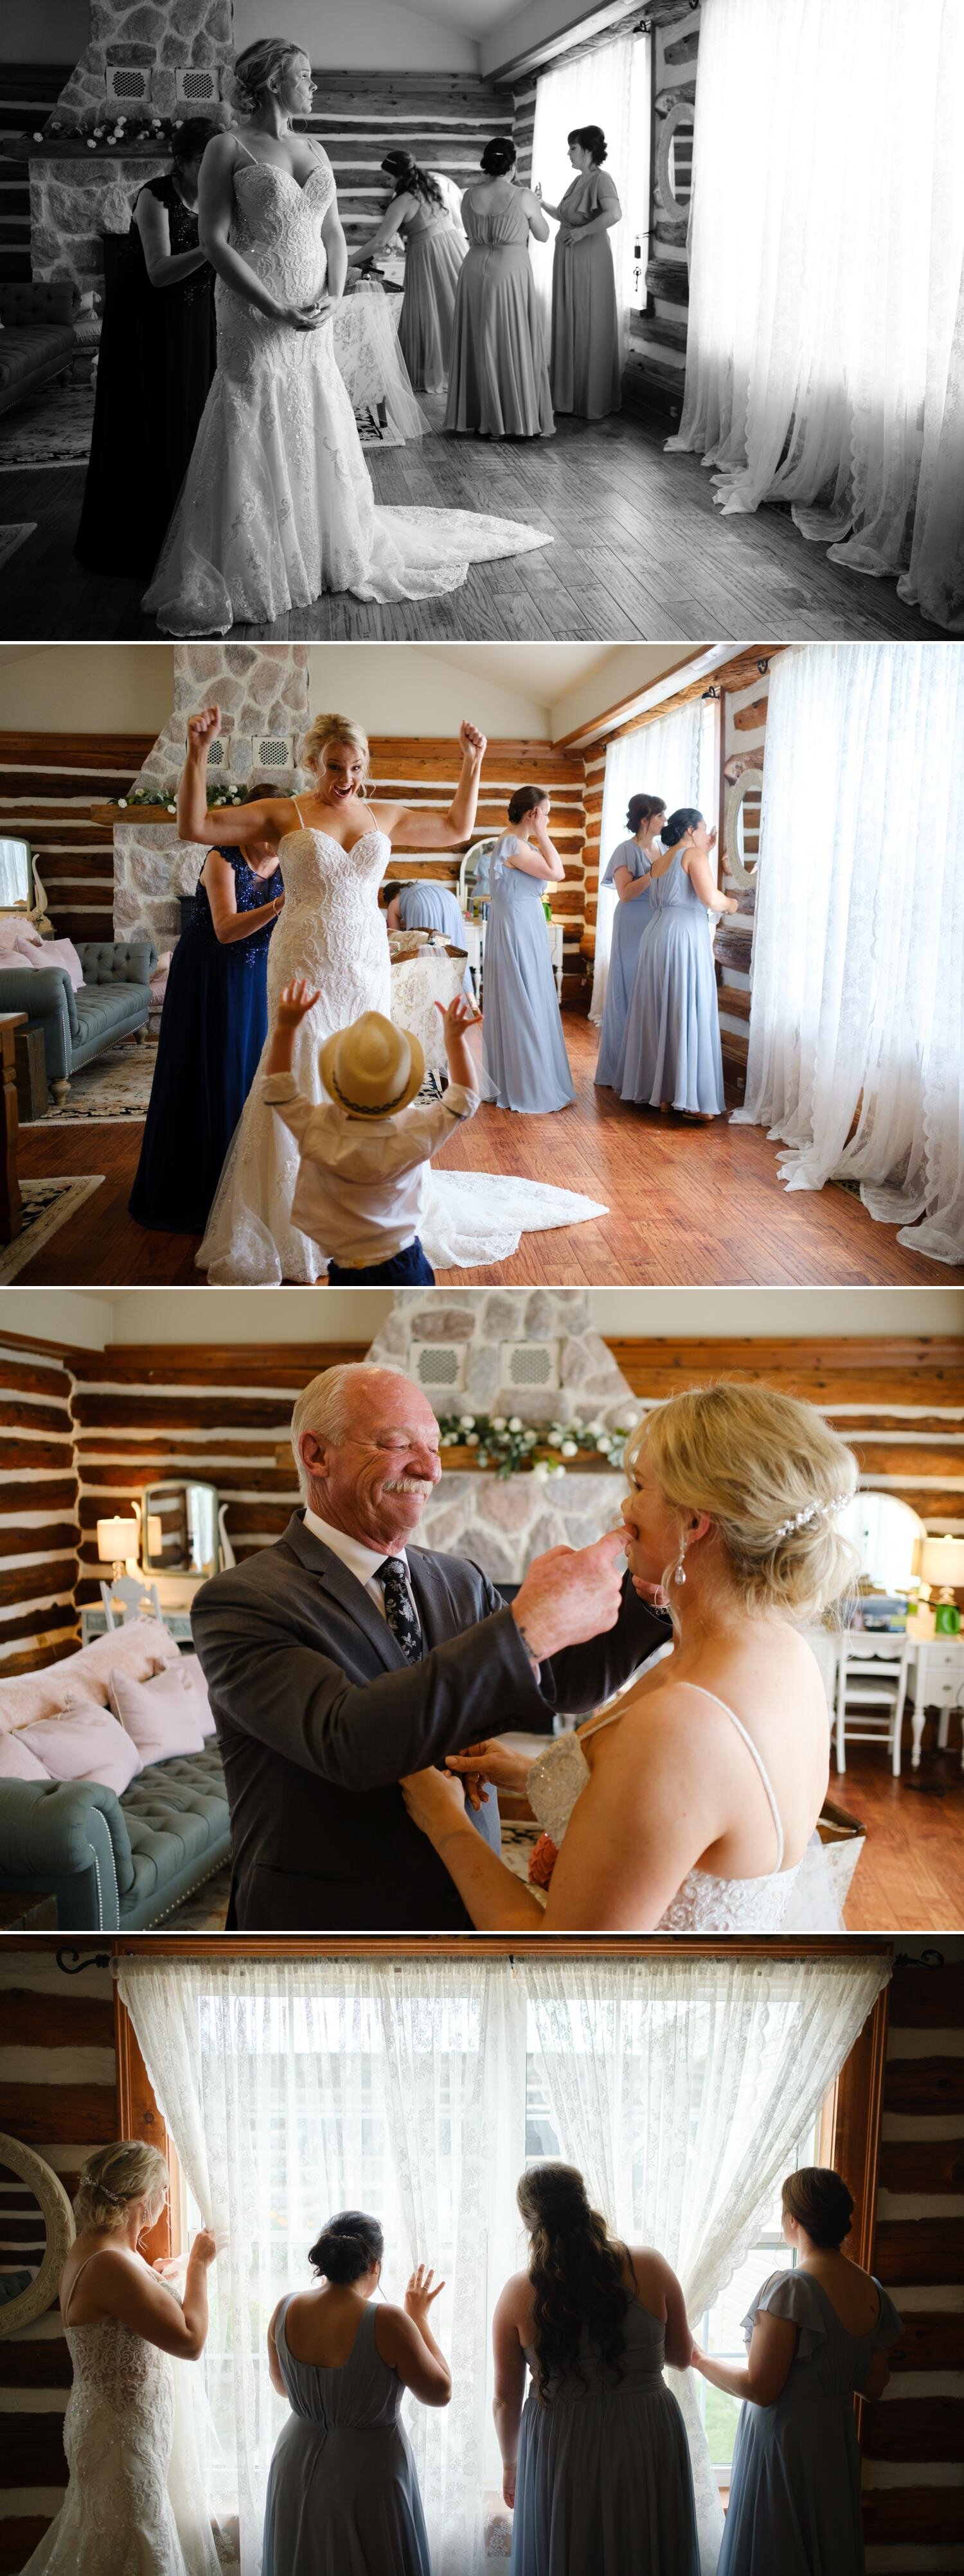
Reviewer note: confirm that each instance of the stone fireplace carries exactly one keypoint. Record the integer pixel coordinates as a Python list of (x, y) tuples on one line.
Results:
[(146, 58), (510, 1351)]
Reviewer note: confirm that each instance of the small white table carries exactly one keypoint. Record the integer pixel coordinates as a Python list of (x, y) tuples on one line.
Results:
[(935, 1675)]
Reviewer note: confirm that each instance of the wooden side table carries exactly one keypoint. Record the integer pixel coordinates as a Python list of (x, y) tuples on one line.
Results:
[(11, 1211)]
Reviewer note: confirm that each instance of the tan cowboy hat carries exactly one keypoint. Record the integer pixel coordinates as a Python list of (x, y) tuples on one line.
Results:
[(372, 1068)]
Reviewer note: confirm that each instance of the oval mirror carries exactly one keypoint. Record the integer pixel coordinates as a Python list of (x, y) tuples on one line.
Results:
[(180, 1529), (674, 159), (36, 2232), (741, 827), (887, 1532)]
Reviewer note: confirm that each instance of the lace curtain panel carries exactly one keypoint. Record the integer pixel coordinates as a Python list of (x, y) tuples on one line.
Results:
[(825, 362), (292, 2089), (671, 757), (609, 87), (855, 1053)]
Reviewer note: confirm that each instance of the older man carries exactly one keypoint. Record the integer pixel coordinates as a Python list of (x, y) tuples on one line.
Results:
[(345, 1657)]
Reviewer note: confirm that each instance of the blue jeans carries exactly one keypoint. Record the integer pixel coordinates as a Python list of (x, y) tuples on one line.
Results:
[(408, 1269)]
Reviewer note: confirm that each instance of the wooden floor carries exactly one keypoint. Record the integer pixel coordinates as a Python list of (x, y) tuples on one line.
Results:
[(691, 1206), (639, 551), (909, 1878)]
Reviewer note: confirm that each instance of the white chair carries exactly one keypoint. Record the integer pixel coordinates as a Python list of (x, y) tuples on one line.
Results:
[(130, 1599), (870, 1695)]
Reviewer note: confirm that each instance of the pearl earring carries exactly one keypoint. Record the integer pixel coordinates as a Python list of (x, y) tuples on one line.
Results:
[(679, 1570)]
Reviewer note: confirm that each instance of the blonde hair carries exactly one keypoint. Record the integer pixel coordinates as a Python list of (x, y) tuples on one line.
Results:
[(325, 729), (116, 2176), (772, 1476), (252, 69), (325, 1407)]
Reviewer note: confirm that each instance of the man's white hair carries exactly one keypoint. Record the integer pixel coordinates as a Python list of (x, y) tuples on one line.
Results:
[(325, 1407)]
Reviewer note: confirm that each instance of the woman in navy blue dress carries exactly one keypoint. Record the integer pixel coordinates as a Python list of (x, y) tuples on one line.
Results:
[(524, 1060), (213, 1027)]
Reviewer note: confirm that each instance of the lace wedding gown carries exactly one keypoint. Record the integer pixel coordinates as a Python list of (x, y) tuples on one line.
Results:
[(122, 2437), (277, 505), (332, 932)]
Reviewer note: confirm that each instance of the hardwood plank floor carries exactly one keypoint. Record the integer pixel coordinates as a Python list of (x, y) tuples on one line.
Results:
[(692, 1206), (909, 1877), (639, 552)]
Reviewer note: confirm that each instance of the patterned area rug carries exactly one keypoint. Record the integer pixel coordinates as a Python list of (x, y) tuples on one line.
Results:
[(47, 1205), (13, 537), (52, 429), (116, 1086)]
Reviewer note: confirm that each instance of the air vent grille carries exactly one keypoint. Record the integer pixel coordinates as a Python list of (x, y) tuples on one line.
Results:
[(439, 1366), (530, 1364)]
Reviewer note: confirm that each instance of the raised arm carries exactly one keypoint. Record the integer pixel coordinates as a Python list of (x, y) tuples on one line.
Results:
[(543, 861), (538, 226), (214, 826), (701, 879), (405, 2340), (387, 230), (125, 2288), (230, 925), (772, 2347), (410, 828), (164, 266)]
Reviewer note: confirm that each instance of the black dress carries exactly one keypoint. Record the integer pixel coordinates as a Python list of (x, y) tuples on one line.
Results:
[(213, 1027), (157, 359)]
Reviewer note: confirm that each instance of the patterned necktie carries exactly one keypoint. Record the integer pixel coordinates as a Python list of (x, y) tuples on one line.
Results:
[(399, 1609)]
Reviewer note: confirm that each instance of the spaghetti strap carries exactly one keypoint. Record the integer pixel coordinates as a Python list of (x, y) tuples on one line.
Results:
[(299, 813), (594, 1725), (756, 1756), (81, 2267), (243, 147)]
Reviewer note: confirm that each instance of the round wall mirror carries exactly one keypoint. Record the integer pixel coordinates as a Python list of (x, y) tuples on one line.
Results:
[(36, 2232), (180, 1529), (674, 159), (887, 1532), (741, 827)]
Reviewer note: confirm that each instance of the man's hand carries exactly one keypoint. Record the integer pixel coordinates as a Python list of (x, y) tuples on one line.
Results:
[(570, 1594)]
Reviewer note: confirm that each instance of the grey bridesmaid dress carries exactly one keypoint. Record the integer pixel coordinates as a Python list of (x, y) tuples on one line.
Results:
[(343, 2495), (671, 1041), (434, 252), (524, 1060), (584, 369), (629, 922), (795, 2483), (499, 381), (604, 2485)]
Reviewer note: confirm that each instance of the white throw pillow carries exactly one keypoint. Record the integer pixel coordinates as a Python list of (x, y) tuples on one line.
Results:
[(85, 1743), (160, 1715), (17, 1762), (191, 1669)]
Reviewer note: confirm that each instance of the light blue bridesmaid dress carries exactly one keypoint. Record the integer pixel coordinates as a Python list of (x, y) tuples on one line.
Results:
[(795, 2483), (422, 905), (630, 920), (343, 2495), (604, 2484), (524, 1060), (671, 1041)]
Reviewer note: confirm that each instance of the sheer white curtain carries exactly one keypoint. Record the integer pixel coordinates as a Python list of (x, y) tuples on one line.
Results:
[(680, 2088), (673, 757), (827, 240), (294, 2088), (609, 88), (858, 948)]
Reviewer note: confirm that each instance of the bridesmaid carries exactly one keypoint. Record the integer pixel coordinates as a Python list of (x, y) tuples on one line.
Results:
[(524, 1060), (596, 2462), (499, 381), (213, 1027), (670, 1057), (343, 2488), (816, 2337), (628, 871), (585, 369), (435, 248), (421, 904)]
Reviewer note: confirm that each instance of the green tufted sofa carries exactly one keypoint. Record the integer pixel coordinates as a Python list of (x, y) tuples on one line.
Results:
[(37, 340), (113, 1001)]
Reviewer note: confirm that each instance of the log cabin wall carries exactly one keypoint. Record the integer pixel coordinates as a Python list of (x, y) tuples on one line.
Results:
[(656, 358), (442, 119), (48, 782), (425, 772), (38, 1510)]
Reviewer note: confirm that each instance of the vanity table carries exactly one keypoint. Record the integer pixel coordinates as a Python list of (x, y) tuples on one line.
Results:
[(935, 1674)]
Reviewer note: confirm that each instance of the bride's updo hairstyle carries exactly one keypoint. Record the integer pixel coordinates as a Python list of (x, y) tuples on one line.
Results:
[(347, 2248), (325, 729), (643, 809), (499, 157), (254, 69), (578, 2274), (116, 2176), (526, 800), (819, 2200), (772, 1477)]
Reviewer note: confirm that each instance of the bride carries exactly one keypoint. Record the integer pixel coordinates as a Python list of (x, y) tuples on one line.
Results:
[(134, 2498), (277, 505), (690, 1806)]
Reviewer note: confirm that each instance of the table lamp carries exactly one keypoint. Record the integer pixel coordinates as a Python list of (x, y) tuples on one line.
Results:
[(942, 1569), (118, 1542)]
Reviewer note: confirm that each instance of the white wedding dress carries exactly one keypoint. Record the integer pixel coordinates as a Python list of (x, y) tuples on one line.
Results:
[(129, 2455), (331, 932), (785, 1900), (277, 504)]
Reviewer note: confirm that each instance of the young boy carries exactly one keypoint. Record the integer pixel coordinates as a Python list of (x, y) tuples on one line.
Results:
[(365, 1151)]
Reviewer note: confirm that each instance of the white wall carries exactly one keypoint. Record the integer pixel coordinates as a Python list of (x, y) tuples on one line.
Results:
[(353, 1314), (55, 31), (629, 668), (87, 688), (518, 30), (414, 689), (368, 35), (58, 1315)]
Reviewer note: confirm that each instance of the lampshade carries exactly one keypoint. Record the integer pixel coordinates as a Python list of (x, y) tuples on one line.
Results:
[(117, 1539), (942, 1562)]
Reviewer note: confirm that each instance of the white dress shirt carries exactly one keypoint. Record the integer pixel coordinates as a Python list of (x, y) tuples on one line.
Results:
[(360, 1189), (361, 1561)]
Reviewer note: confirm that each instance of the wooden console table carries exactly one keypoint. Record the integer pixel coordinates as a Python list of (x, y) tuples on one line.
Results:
[(11, 1211)]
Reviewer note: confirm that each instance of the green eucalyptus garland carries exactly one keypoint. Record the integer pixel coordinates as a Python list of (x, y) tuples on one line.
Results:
[(507, 1443)]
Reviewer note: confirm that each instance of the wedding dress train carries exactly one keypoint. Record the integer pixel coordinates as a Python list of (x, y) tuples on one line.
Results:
[(277, 504), (332, 932)]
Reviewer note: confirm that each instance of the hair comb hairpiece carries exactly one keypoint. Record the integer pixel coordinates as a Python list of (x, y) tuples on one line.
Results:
[(813, 1512)]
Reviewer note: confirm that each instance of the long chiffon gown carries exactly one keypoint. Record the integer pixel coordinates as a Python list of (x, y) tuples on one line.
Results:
[(213, 1027), (343, 2496), (277, 505), (524, 1060), (585, 370), (671, 1041), (604, 2481), (499, 381), (629, 922), (156, 360), (434, 252), (795, 2482)]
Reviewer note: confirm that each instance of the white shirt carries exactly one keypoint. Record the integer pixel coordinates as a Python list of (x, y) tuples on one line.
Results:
[(360, 1189), (361, 1561)]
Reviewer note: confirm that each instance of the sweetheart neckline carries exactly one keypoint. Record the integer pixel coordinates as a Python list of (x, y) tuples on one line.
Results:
[(373, 833), (302, 185)]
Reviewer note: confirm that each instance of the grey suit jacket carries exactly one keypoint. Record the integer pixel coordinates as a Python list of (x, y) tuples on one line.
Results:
[(319, 1716)]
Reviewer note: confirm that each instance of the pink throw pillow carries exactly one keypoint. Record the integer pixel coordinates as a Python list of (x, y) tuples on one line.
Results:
[(17, 1762), (200, 1703), (86, 1743), (53, 952), (160, 1715)]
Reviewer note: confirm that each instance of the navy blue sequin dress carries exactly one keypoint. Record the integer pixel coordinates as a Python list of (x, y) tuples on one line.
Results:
[(213, 1027)]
